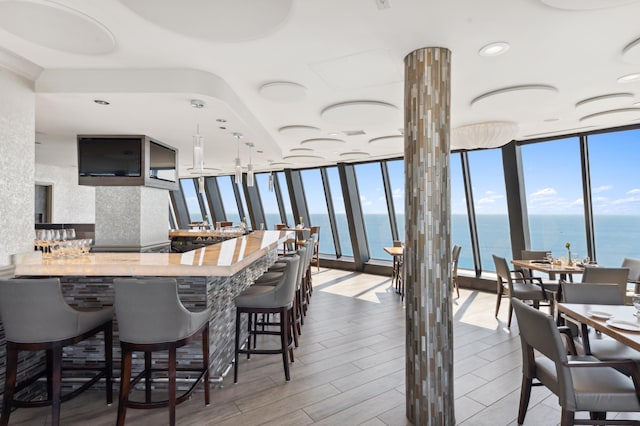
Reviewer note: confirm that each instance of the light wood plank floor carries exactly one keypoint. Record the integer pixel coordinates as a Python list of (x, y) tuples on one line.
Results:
[(349, 370)]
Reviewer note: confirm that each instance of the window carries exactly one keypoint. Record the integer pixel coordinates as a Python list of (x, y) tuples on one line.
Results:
[(286, 201), (374, 209), (396, 180), (553, 184), (460, 233), (269, 201), (490, 204), (341, 217), (317, 206), (191, 198), (229, 202), (615, 193)]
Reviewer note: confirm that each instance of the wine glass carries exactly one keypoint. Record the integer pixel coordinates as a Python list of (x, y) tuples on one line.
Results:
[(636, 303)]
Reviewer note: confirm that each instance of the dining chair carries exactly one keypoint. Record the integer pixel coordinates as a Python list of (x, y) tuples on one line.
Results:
[(581, 383), (634, 271), (604, 275), (315, 234), (550, 282), (601, 346), (455, 256), (517, 286)]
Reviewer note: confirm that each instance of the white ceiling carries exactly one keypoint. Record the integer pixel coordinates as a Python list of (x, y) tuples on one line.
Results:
[(296, 77)]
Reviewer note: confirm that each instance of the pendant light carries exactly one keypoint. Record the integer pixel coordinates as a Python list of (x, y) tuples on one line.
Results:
[(271, 179), (238, 168), (250, 166)]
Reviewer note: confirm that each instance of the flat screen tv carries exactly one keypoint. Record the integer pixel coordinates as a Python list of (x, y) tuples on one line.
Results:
[(110, 157), (126, 160)]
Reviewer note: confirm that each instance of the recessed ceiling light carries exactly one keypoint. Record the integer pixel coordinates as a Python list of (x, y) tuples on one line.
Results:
[(629, 78), (551, 120), (197, 103), (101, 102), (221, 120), (494, 49)]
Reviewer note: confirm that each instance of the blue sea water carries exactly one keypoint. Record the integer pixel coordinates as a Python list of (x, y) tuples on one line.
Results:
[(616, 236)]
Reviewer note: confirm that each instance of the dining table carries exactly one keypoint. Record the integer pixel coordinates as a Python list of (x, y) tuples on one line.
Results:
[(616, 321), (549, 267), (397, 252)]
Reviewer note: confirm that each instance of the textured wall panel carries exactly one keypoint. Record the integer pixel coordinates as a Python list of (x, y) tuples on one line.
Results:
[(131, 216), (429, 329), (71, 203)]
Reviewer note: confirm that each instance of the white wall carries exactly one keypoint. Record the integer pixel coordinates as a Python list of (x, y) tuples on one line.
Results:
[(17, 158), (71, 203)]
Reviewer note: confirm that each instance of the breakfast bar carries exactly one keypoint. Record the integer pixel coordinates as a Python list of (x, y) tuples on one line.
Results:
[(210, 276)]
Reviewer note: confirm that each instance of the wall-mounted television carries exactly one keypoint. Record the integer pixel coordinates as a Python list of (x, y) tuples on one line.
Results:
[(126, 160)]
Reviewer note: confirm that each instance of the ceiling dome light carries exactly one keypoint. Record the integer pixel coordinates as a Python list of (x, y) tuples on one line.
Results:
[(629, 78), (494, 49), (101, 102)]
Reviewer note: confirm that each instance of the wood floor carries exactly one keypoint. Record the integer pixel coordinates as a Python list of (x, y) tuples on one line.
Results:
[(349, 370)]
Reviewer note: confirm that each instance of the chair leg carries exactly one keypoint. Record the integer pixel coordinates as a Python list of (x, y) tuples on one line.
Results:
[(525, 395), (56, 384), (567, 418), (499, 299), (205, 362), (125, 382), (510, 315), (9, 383), (284, 341), (237, 348), (147, 376), (108, 361), (172, 384)]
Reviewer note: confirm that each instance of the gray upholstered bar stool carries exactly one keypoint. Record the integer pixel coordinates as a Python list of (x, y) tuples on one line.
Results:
[(152, 318), (266, 299), (36, 317)]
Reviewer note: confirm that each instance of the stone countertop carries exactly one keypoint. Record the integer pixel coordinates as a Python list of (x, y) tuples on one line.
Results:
[(223, 259)]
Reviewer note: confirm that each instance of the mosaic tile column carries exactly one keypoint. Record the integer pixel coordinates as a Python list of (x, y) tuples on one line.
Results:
[(429, 328)]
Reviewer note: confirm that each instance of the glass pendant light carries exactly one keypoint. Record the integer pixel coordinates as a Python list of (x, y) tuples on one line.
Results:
[(250, 166), (238, 168)]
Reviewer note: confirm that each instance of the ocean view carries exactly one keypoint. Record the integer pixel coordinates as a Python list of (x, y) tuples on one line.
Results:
[(617, 236)]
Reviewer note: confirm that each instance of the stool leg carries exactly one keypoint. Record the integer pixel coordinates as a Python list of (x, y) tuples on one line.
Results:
[(205, 362), (249, 330), (147, 376), (284, 340), (56, 379), (108, 361), (125, 379), (172, 384), (10, 382), (237, 348)]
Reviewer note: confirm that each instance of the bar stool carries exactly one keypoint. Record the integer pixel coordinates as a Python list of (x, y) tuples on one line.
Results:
[(151, 318), (36, 317), (266, 299)]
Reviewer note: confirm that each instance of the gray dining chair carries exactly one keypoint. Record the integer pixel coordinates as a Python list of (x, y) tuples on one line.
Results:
[(581, 383), (605, 275), (600, 346), (517, 286), (634, 271)]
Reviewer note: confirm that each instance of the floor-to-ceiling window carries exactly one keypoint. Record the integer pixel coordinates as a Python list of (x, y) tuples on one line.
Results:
[(268, 199), (460, 234), (317, 206), (191, 198), (229, 202), (553, 186), (341, 217), (286, 199), (615, 189), (490, 202), (374, 209), (396, 181)]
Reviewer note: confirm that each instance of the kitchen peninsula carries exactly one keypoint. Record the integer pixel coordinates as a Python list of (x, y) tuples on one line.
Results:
[(210, 276)]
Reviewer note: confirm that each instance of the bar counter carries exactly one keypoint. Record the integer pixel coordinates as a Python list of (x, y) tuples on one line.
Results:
[(222, 260), (211, 276)]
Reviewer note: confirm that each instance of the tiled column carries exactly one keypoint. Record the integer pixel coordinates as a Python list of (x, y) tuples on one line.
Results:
[(427, 242)]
